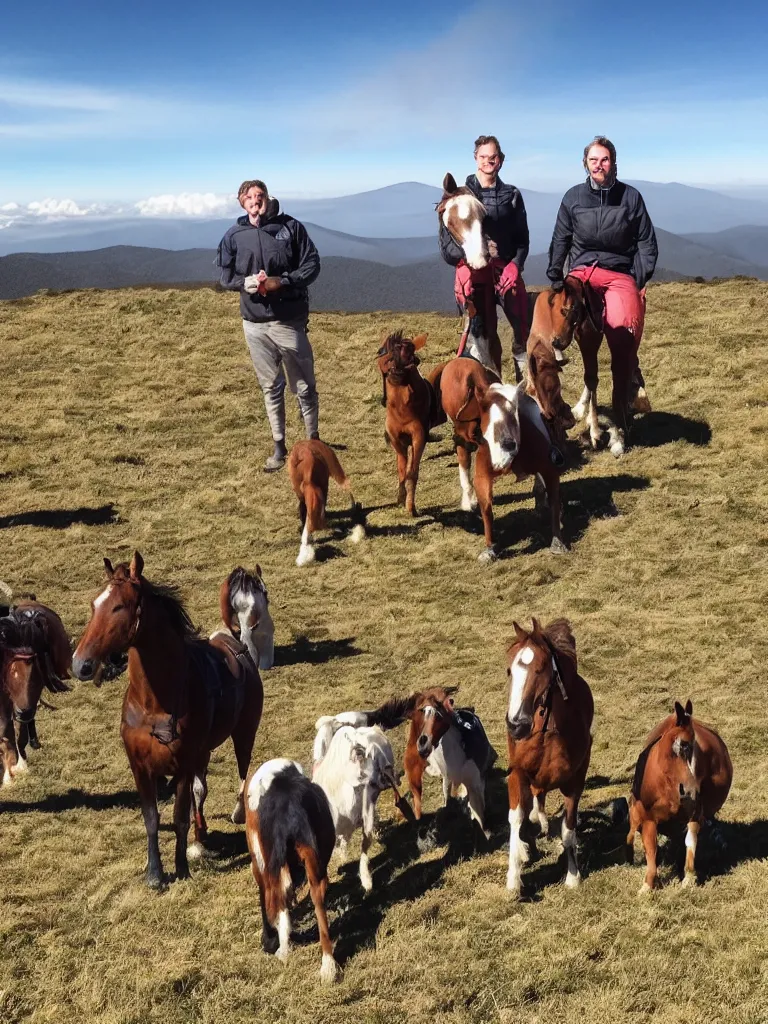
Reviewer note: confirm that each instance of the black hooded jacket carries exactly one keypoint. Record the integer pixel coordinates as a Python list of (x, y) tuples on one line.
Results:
[(610, 227), (505, 223), (280, 246)]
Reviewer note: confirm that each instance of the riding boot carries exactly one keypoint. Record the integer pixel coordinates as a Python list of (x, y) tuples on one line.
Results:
[(277, 459)]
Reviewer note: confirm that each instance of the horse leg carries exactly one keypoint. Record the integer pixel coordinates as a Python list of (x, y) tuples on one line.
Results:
[(484, 489), (147, 786), (691, 839), (243, 738), (475, 786), (468, 496), (34, 742), (181, 808), (538, 815), (269, 937), (552, 481), (401, 451), (199, 793), (318, 884), (621, 345), (418, 440), (520, 803), (414, 772), (649, 842), (573, 876), (369, 809), (587, 404), (22, 739), (9, 752)]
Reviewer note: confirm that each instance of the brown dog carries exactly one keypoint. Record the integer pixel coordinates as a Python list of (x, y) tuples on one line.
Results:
[(310, 465)]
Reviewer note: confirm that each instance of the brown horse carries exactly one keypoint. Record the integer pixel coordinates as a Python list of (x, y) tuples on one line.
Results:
[(505, 426), (683, 776), (311, 464), (34, 653), (546, 362), (185, 696), (549, 736), (412, 410)]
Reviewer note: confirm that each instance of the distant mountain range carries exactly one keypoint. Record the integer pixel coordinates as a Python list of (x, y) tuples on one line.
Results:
[(405, 210), (382, 270)]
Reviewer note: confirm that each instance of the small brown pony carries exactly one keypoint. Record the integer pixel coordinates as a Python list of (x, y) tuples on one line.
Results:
[(310, 466), (412, 410), (683, 776), (549, 737), (545, 364), (185, 696), (506, 427), (34, 653)]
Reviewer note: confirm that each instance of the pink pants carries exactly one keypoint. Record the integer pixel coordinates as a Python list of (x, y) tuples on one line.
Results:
[(514, 300), (623, 302)]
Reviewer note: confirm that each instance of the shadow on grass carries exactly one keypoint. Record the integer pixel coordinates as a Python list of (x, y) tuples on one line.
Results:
[(61, 518), (657, 428), (72, 800), (315, 652)]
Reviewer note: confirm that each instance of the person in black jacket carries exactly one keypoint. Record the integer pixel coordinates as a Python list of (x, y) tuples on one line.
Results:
[(604, 231), (506, 225), (270, 259)]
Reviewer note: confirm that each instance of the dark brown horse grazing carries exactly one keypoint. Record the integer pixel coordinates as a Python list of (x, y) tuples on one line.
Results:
[(412, 410), (549, 736), (185, 696), (34, 653), (505, 426), (683, 776)]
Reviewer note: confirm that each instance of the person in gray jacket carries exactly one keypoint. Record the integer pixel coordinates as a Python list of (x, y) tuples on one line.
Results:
[(270, 259)]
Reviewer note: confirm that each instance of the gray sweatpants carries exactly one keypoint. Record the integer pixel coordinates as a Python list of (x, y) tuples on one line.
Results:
[(281, 350)]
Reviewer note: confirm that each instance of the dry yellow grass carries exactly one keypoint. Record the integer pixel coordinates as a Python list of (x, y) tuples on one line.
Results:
[(133, 419)]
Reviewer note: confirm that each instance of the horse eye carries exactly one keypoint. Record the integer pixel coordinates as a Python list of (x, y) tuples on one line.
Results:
[(118, 608)]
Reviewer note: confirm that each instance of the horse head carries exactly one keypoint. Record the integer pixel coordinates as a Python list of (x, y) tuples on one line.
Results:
[(573, 309), (462, 214), (114, 622), (398, 355), (432, 717), (494, 407), (544, 371), (680, 746), (535, 669), (243, 599), (22, 642)]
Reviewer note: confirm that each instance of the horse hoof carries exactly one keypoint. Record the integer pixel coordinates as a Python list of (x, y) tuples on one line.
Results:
[(617, 449), (195, 851), (558, 547), (329, 970), (689, 880), (641, 403), (305, 556), (7, 778), (513, 885), (572, 881), (238, 815), (487, 556), (156, 883), (644, 889), (21, 766), (35, 743), (468, 503), (357, 534)]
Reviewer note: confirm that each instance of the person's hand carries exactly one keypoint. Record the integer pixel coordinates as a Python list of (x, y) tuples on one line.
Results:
[(252, 282), (269, 284), (558, 285), (509, 278)]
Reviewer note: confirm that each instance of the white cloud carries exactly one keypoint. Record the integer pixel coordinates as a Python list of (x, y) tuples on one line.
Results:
[(187, 204), (55, 209), (9, 207)]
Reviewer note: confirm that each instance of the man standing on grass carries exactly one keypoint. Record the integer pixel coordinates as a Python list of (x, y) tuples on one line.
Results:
[(270, 259)]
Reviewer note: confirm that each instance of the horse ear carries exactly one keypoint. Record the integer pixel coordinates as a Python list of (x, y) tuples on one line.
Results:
[(449, 703), (108, 567), (137, 566), (688, 707), (258, 571), (420, 341), (520, 634), (536, 626), (471, 408), (449, 183), (679, 713)]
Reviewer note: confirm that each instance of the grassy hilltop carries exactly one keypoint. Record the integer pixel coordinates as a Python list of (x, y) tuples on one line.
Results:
[(132, 419)]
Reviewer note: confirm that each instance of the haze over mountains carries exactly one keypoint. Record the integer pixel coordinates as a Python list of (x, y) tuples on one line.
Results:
[(379, 248)]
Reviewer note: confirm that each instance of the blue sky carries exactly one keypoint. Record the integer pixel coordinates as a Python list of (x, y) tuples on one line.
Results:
[(110, 104)]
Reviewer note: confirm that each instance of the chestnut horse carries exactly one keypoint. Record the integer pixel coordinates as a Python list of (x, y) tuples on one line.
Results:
[(185, 696), (412, 410), (310, 466), (506, 428), (34, 653), (546, 362), (683, 776), (549, 737), (462, 214)]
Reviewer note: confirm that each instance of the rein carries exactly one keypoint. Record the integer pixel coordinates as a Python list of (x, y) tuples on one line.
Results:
[(546, 699)]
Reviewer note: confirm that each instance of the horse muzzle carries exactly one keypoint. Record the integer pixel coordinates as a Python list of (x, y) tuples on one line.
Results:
[(424, 746), (519, 728), (85, 669)]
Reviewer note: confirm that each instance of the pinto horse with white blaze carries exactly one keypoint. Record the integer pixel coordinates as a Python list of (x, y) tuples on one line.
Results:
[(462, 214), (310, 466), (683, 776), (35, 653), (244, 606), (504, 425), (289, 828), (354, 764), (185, 696), (549, 737), (412, 410)]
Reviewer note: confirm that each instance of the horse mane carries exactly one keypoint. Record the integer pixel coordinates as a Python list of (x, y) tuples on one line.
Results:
[(560, 637), (248, 583), (637, 782), (170, 599)]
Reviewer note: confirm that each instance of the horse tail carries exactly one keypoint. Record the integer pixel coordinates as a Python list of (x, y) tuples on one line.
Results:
[(334, 468), (313, 500)]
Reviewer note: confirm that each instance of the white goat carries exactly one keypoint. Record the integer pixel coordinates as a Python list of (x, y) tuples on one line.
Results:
[(353, 764)]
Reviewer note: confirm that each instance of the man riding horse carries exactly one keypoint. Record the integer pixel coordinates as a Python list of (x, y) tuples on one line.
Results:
[(604, 231), (506, 226)]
